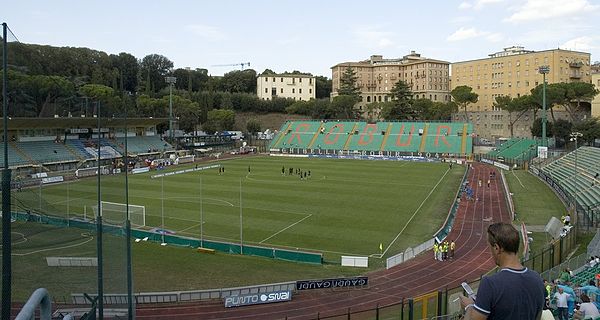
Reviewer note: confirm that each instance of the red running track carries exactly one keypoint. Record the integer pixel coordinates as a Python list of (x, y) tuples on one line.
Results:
[(416, 277)]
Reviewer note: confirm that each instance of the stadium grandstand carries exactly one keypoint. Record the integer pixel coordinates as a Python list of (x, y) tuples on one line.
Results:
[(68, 143), (431, 139), (515, 150), (577, 175)]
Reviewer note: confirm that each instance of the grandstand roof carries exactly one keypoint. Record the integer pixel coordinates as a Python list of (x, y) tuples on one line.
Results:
[(89, 122)]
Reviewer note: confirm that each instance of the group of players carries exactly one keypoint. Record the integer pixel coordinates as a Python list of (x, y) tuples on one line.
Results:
[(303, 174)]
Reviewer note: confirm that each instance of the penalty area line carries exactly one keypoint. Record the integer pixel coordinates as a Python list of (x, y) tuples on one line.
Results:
[(282, 230)]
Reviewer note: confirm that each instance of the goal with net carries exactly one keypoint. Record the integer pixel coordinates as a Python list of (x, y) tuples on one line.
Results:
[(116, 213)]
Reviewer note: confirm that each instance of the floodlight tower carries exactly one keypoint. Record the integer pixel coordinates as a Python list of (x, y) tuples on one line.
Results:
[(171, 81), (544, 70)]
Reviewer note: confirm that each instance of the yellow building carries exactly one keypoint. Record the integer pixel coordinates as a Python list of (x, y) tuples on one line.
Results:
[(292, 86), (428, 78), (514, 72), (596, 101)]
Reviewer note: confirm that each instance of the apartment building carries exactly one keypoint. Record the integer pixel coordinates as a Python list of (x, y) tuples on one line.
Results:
[(596, 81), (514, 72), (293, 86), (428, 78)]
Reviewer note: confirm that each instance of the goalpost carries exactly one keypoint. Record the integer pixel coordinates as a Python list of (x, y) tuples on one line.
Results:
[(115, 213)]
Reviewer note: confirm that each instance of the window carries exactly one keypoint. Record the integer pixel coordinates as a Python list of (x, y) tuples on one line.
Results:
[(281, 79), (300, 90), (281, 90), (266, 79), (266, 90), (273, 79), (379, 98), (368, 98), (300, 80), (310, 91), (293, 90)]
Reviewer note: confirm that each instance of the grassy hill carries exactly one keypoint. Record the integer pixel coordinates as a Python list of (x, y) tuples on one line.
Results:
[(267, 120)]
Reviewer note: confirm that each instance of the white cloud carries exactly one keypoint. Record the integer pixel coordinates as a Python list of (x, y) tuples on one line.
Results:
[(495, 37), (545, 9), (481, 3), (370, 35), (461, 19), (583, 43), (466, 33), (477, 4), (464, 5), (206, 32)]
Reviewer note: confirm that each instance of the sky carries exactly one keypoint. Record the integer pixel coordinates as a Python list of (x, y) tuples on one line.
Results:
[(308, 36)]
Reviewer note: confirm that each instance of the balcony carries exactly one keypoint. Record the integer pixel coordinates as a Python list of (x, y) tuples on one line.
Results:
[(575, 75), (577, 64)]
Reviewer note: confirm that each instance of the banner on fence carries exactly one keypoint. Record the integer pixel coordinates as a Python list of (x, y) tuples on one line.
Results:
[(52, 179), (332, 283), (140, 170), (257, 298)]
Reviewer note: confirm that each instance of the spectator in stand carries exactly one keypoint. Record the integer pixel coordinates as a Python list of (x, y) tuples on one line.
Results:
[(561, 303), (514, 292), (565, 276), (588, 309)]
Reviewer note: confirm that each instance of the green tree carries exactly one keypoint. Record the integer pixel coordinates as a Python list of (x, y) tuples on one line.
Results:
[(348, 85), (463, 96), (590, 128), (401, 105), (301, 107), (323, 87), (434, 110), (343, 107), (219, 120), (127, 68), (516, 108), (186, 112), (154, 68), (239, 81), (578, 92), (536, 127), (561, 130), (555, 96), (253, 126)]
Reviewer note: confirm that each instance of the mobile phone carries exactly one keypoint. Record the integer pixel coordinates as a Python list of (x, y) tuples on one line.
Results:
[(468, 290)]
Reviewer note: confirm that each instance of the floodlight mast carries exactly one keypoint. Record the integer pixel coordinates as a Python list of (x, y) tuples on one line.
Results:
[(544, 70), (171, 81)]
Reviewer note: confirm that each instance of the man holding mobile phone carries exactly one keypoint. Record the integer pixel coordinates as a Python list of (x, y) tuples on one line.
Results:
[(514, 292)]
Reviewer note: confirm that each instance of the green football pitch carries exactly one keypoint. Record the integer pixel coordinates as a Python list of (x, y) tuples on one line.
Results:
[(345, 207)]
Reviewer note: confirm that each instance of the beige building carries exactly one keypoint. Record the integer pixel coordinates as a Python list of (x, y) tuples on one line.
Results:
[(293, 86), (596, 101), (376, 77), (514, 72)]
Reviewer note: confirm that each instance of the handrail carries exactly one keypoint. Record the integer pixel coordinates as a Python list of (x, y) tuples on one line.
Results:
[(40, 297)]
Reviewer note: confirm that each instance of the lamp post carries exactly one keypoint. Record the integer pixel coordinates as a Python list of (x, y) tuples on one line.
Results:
[(171, 81), (544, 70), (574, 136)]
